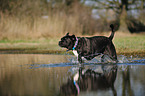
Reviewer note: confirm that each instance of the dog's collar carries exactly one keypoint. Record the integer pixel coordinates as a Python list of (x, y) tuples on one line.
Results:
[(76, 43)]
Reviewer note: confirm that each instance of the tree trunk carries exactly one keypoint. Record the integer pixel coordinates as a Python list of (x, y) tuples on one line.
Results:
[(123, 19)]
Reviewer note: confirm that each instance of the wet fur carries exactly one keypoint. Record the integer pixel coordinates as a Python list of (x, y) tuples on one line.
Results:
[(89, 47)]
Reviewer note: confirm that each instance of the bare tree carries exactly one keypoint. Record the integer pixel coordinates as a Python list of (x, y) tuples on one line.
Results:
[(120, 7)]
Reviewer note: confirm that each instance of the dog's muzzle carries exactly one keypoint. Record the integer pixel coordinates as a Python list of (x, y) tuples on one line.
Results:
[(60, 43)]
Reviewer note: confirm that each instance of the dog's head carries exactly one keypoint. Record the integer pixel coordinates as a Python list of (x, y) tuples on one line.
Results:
[(67, 41)]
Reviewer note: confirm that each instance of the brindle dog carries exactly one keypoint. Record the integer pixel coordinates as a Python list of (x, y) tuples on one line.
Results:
[(89, 47)]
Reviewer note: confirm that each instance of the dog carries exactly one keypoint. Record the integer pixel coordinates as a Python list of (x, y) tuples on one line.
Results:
[(101, 78), (89, 47)]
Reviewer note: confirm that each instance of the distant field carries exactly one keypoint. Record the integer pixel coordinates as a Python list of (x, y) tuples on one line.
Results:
[(130, 44), (124, 43)]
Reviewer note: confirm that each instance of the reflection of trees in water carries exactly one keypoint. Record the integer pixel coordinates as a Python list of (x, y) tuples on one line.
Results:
[(133, 80), (17, 79), (126, 84)]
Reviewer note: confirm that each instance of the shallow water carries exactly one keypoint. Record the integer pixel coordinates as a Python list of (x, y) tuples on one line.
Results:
[(53, 75)]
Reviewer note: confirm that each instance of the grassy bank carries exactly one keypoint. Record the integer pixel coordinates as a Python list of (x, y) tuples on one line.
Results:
[(130, 44)]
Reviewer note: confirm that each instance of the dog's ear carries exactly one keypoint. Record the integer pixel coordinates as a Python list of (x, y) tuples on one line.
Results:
[(67, 34), (73, 37)]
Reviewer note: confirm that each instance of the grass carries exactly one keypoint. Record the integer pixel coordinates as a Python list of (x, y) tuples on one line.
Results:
[(130, 44), (28, 31), (124, 44), (31, 28), (18, 41)]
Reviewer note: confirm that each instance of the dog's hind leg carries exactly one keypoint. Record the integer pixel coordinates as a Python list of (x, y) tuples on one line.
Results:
[(111, 52)]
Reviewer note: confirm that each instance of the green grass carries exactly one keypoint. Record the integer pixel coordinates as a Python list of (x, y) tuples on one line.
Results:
[(18, 41), (130, 44), (42, 44), (133, 45)]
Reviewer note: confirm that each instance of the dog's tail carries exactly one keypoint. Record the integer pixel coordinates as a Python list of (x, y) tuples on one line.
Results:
[(112, 34)]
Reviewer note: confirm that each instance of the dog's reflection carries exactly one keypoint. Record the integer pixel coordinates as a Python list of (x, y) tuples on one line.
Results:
[(100, 78)]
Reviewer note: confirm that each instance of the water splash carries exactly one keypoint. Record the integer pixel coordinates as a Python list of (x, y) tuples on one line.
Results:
[(72, 61), (122, 59), (107, 59)]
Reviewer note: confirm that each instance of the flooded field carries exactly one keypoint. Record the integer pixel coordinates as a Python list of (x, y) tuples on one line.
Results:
[(60, 75)]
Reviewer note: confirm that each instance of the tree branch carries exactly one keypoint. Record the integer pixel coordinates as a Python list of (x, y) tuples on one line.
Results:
[(131, 2), (136, 8), (109, 7)]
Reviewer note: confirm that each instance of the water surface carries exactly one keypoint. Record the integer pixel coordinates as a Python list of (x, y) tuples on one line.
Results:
[(53, 75)]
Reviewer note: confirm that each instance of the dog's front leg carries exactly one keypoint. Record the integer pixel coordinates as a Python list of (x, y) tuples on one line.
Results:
[(80, 58)]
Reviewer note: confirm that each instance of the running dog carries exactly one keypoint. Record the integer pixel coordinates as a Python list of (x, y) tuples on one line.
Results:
[(89, 47)]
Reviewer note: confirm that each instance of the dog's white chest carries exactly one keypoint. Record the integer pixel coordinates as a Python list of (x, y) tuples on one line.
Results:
[(75, 53)]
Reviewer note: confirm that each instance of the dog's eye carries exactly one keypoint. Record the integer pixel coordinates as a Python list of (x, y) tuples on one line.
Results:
[(64, 39)]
